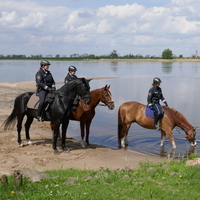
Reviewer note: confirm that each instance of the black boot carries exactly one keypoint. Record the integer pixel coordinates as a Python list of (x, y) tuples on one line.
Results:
[(39, 113), (156, 122)]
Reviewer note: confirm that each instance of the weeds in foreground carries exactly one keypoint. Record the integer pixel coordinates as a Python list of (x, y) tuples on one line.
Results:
[(169, 180)]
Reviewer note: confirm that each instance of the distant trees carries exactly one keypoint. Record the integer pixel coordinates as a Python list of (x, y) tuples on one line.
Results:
[(114, 54), (167, 54)]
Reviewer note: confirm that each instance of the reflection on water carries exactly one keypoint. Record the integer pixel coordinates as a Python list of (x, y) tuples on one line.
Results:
[(180, 83), (167, 67)]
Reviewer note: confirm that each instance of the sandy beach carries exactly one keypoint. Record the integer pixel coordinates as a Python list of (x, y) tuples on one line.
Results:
[(40, 155)]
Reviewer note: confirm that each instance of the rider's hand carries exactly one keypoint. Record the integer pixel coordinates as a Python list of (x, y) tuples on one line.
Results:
[(166, 103), (150, 105), (53, 88)]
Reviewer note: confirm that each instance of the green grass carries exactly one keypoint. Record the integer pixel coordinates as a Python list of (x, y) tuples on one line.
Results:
[(166, 181)]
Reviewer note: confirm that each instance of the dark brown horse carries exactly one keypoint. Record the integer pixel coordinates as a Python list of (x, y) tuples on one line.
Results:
[(132, 111), (85, 113)]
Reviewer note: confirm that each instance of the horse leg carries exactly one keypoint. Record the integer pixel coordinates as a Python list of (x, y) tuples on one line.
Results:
[(27, 128), (64, 130), (19, 128), (82, 128), (123, 140), (171, 138), (163, 136), (88, 132), (55, 137)]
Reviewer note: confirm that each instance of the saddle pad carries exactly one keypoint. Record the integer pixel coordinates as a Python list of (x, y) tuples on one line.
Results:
[(33, 102), (149, 112)]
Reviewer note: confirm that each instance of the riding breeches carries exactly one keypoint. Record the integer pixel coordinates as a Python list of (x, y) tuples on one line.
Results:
[(158, 110), (42, 94)]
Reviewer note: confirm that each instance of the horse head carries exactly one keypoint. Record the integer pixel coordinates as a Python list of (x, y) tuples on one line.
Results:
[(190, 136), (182, 122), (106, 97), (84, 90)]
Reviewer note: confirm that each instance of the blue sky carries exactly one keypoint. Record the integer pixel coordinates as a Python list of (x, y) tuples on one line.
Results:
[(65, 27)]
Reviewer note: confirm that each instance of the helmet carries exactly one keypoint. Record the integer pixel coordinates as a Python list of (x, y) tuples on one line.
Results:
[(157, 80), (72, 68), (44, 62)]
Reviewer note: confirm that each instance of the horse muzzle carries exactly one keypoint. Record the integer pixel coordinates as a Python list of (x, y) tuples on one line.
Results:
[(194, 143), (110, 105)]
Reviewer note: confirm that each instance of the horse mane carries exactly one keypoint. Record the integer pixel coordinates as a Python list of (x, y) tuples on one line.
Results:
[(180, 117), (70, 84)]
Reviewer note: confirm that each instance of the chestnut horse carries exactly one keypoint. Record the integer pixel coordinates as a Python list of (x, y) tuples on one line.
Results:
[(130, 112), (85, 113)]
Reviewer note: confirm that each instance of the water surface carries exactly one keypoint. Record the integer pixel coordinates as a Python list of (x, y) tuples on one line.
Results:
[(180, 85)]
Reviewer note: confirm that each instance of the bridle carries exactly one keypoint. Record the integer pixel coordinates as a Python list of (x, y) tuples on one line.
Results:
[(105, 102)]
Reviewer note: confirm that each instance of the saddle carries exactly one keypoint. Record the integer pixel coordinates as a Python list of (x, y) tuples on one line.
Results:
[(150, 113), (33, 102)]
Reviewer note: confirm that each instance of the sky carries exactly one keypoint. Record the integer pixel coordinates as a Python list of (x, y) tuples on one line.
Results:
[(68, 27)]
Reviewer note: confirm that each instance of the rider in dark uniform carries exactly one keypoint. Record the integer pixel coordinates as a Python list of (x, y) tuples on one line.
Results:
[(70, 77), (153, 99), (45, 83), (71, 74)]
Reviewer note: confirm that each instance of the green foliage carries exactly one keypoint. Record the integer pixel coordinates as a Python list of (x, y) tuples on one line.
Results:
[(167, 54), (176, 181)]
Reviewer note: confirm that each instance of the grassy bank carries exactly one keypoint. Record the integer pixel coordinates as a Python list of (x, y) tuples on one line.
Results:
[(169, 180)]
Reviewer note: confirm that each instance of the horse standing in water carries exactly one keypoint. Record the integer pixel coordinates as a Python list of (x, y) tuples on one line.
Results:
[(130, 112), (57, 112), (85, 113)]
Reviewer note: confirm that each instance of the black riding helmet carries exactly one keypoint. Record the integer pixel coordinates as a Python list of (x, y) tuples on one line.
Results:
[(72, 68), (44, 62), (157, 80)]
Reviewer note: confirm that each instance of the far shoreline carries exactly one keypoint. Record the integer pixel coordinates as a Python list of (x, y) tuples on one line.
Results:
[(105, 59)]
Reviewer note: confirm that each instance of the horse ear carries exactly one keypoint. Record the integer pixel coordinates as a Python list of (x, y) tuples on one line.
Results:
[(88, 80), (195, 127), (107, 87)]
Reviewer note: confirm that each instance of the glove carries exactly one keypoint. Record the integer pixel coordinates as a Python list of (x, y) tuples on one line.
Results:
[(47, 88), (165, 102), (53, 88), (150, 105)]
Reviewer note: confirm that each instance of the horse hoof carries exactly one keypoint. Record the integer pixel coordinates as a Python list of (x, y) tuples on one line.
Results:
[(20, 145), (56, 152), (29, 142), (65, 150)]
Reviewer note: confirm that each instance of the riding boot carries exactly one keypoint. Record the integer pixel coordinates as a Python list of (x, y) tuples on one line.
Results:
[(156, 122), (39, 113)]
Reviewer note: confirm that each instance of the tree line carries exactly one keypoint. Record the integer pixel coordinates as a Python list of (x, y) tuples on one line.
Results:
[(166, 54)]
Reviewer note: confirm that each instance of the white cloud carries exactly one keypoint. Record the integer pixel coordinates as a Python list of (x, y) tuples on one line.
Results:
[(126, 28), (8, 17), (32, 20)]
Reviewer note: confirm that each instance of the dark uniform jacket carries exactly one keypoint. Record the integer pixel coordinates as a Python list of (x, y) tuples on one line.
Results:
[(154, 95), (44, 78), (69, 78)]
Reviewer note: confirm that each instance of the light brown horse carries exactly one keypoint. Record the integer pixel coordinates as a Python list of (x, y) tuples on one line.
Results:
[(130, 112), (85, 113)]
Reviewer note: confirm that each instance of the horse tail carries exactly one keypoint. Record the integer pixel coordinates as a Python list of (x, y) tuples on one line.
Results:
[(11, 120), (119, 123)]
